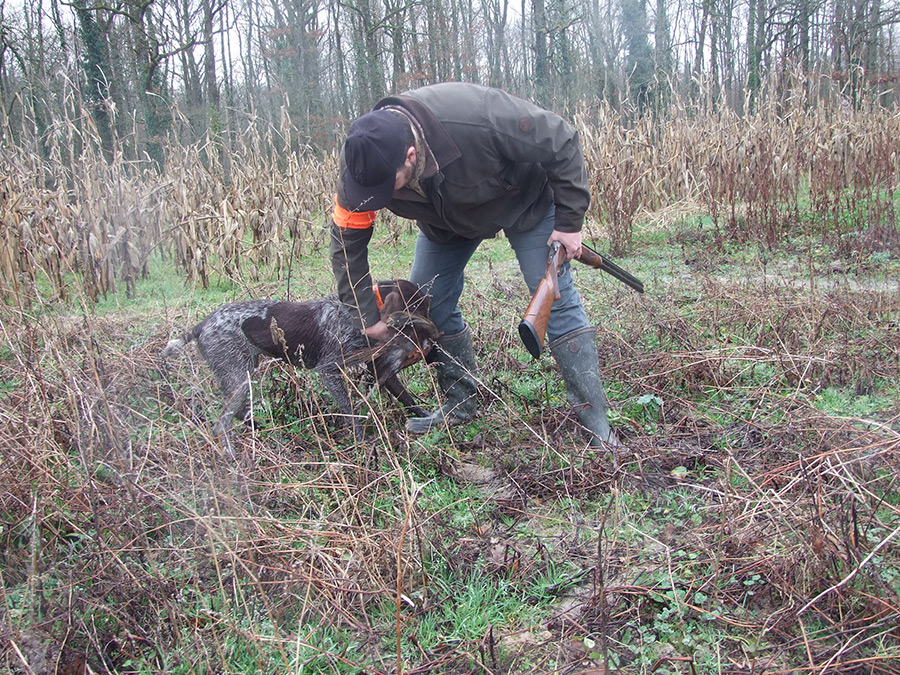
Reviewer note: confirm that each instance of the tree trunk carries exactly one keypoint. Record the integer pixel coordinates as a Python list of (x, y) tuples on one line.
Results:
[(148, 62), (663, 49), (541, 65), (755, 36), (638, 60), (701, 43), (96, 72), (211, 89)]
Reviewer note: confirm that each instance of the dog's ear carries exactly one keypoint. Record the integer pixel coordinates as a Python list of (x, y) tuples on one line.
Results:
[(392, 302), (409, 298), (414, 299), (407, 288)]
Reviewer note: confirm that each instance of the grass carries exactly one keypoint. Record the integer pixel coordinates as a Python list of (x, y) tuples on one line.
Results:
[(755, 392)]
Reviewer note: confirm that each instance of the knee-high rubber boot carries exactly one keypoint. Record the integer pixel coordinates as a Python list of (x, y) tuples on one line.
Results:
[(576, 354), (455, 363)]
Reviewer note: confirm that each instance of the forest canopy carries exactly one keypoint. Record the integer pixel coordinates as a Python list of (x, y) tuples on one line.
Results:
[(148, 72)]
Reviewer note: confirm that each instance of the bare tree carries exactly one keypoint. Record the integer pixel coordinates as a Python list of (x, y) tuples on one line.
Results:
[(663, 58), (97, 71), (638, 59), (184, 20), (496, 15), (756, 45), (541, 53), (365, 24), (330, 60)]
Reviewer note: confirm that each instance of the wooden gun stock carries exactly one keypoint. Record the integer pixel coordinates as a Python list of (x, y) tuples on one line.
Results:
[(533, 326)]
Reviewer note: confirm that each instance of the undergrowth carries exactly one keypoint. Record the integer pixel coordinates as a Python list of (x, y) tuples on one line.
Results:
[(749, 522)]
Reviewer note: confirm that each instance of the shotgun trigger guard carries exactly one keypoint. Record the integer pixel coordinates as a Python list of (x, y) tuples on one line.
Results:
[(554, 247)]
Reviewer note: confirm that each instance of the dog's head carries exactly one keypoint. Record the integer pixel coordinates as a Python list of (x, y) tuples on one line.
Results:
[(400, 295), (413, 337), (405, 309)]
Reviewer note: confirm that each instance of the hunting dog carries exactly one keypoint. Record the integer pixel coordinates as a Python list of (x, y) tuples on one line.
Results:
[(319, 335)]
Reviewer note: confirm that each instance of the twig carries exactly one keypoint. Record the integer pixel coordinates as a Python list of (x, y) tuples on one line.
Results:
[(849, 577)]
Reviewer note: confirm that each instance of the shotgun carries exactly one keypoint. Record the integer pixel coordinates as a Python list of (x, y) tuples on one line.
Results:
[(533, 326)]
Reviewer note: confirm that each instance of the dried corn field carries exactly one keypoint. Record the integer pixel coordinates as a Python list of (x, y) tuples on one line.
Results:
[(749, 524), (83, 226)]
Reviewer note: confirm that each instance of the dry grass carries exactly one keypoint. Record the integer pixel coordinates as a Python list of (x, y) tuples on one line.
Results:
[(745, 527), (79, 226), (759, 177), (129, 537)]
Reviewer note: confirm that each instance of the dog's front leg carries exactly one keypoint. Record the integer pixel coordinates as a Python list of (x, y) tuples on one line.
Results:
[(402, 394)]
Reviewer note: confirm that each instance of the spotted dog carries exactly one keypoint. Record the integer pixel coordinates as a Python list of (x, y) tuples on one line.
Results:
[(319, 335)]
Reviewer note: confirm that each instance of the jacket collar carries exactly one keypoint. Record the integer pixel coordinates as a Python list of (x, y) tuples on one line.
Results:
[(443, 149)]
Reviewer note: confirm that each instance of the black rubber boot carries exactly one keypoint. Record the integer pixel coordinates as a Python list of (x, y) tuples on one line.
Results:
[(576, 354), (455, 363)]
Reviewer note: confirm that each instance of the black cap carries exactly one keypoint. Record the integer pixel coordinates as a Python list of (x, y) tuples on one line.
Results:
[(373, 152)]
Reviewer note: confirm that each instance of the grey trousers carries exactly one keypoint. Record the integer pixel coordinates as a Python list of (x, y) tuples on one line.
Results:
[(440, 268)]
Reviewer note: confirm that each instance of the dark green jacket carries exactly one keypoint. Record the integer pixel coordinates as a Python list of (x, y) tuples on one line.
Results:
[(499, 163)]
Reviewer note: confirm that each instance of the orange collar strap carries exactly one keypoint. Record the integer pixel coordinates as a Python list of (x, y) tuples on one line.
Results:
[(378, 300)]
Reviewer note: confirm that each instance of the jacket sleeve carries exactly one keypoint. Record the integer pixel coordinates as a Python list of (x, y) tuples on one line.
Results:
[(350, 264), (526, 133), (351, 232)]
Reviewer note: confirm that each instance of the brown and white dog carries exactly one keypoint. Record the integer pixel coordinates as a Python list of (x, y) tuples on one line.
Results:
[(317, 334)]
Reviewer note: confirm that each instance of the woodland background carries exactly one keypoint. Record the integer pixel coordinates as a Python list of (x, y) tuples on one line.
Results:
[(160, 158), (144, 72)]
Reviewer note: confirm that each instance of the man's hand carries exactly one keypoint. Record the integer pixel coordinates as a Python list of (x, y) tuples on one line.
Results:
[(378, 331), (571, 241)]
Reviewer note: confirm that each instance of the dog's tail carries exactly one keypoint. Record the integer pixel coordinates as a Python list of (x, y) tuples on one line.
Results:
[(175, 345)]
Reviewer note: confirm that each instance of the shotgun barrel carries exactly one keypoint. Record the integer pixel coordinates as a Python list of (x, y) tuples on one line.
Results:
[(599, 261)]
